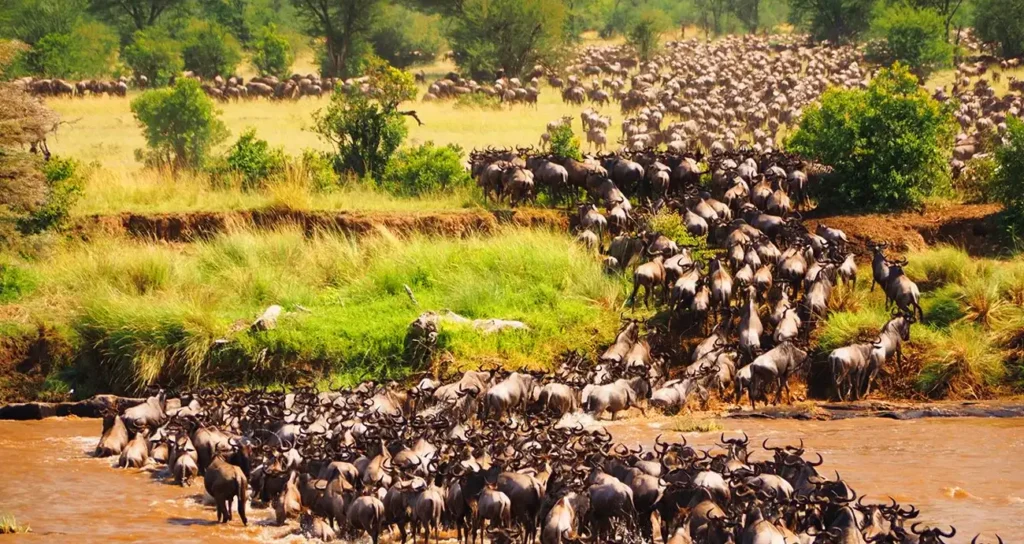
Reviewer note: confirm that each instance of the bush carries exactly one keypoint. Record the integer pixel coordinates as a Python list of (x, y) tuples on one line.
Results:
[(318, 170), (405, 37), (1002, 22), (644, 33), (425, 169), (913, 37), (89, 50), (64, 186), (513, 35), (564, 143), (1008, 180), (254, 160), (271, 53), (365, 130), (181, 125), (156, 55), (837, 21), (973, 183), (15, 282), (210, 50), (671, 225), (888, 146)]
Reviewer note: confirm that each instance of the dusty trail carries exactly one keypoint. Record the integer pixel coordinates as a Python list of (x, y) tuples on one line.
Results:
[(960, 470)]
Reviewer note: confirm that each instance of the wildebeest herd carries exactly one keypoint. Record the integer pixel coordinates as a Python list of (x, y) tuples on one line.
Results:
[(487, 456)]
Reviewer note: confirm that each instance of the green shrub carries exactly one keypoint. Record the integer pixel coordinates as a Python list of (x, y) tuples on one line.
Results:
[(210, 50), (64, 186), (425, 169), (913, 37), (89, 50), (271, 53), (973, 183), (888, 146), (254, 160), (156, 55), (367, 130), (513, 35), (15, 282), (968, 365), (564, 143), (181, 125), (318, 170), (837, 21), (645, 32), (1002, 22), (1008, 181), (671, 225), (405, 37)]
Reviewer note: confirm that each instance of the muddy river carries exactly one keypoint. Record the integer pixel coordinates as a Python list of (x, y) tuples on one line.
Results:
[(963, 471)]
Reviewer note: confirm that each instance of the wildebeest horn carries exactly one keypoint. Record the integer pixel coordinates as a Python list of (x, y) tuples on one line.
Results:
[(950, 534), (820, 461)]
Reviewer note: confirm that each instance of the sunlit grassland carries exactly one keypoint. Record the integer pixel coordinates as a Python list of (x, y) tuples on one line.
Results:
[(142, 312)]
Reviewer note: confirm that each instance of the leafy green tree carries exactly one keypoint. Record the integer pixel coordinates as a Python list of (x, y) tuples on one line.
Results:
[(404, 37), (712, 14), (154, 54), (344, 25), (367, 129), (141, 13), (914, 37), (888, 145), (1001, 21), (513, 35), (645, 33), (89, 50), (31, 20), (748, 12), (271, 52), (838, 21), (210, 50), (1007, 183), (947, 9), (425, 169), (181, 125)]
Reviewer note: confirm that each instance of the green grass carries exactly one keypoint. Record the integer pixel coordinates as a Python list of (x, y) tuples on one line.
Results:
[(973, 328), (147, 312), (9, 525), (688, 423)]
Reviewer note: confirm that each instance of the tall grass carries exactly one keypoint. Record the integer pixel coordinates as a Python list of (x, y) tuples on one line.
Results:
[(972, 330), (147, 312), (9, 525)]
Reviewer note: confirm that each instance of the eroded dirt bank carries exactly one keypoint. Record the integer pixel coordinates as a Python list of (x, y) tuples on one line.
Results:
[(956, 470)]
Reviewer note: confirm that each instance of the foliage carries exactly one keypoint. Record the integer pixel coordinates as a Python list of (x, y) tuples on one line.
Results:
[(9, 51), (969, 365), (888, 145), (141, 13), (147, 311), (318, 170), (181, 125), (425, 169), (645, 32), (838, 21), (154, 54), (344, 26), (671, 225), (512, 35), (271, 53), (254, 160), (564, 143), (1008, 181), (64, 186), (210, 50), (89, 50), (1002, 22), (15, 282), (30, 20), (973, 184), (404, 37), (913, 37), (477, 101), (366, 129)]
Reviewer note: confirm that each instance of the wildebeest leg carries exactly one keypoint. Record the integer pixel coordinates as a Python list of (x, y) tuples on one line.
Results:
[(632, 298), (750, 392), (241, 506)]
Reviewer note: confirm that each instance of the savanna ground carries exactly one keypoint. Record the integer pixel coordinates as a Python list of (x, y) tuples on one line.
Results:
[(108, 310)]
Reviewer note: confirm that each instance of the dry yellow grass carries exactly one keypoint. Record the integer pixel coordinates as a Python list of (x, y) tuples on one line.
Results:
[(946, 78)]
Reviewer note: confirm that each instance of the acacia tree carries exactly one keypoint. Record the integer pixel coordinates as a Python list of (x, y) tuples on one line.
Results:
[(837, 21), (645, 32), (711, 14), (142, 13), (344, 26), (1001, 21), (512, 35), (367, 128)]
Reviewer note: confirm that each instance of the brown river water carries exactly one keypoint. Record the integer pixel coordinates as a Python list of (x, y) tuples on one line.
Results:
[(963, 471)]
